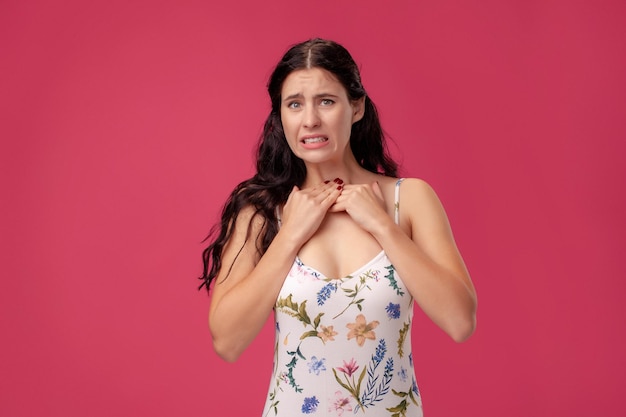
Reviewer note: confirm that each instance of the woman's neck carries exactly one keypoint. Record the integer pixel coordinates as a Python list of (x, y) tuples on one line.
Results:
[(349, 171)]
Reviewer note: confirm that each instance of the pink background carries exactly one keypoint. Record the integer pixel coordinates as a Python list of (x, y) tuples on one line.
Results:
[(124, 125)]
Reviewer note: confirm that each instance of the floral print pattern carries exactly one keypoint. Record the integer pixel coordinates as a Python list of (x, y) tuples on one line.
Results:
[(310, 405), (327, 334), (316, 366), (362, 330), (393, 311), (339, 404)]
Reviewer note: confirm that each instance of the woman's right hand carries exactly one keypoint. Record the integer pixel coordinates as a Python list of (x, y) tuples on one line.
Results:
[(305, 209)]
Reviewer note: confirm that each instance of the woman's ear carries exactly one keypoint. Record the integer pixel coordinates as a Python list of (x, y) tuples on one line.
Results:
[(358, 109)]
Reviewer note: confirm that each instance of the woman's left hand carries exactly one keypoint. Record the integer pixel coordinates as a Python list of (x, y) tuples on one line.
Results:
[(365, 204)]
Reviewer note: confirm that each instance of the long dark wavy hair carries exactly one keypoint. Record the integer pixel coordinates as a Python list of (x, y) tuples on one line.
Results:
[(278, 169)]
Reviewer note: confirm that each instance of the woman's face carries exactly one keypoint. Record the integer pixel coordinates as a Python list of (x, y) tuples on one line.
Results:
[(317, 115)]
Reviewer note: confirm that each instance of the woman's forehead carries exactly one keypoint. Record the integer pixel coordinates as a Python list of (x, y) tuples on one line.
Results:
[(309, 80)]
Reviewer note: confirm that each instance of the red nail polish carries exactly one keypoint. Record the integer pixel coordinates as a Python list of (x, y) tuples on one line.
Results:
[(338, 180), (326, 182), (340, 187)]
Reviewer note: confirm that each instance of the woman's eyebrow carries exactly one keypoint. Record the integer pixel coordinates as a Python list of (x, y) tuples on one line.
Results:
[(292, 96), (299, 95)]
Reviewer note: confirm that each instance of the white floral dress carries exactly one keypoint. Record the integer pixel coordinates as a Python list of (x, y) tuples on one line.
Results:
[(343, 346)]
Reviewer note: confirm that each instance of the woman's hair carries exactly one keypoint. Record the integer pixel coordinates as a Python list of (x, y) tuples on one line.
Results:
[(278, 169)]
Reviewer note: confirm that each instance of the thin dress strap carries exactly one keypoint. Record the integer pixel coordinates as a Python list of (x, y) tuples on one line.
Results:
[(396, 204)]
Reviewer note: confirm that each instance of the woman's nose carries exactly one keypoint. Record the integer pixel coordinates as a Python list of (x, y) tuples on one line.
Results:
[(311, 117)]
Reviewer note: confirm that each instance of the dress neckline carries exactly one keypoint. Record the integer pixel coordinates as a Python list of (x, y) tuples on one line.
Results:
[(358, 271)]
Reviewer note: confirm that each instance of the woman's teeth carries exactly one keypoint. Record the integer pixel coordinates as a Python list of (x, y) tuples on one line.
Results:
[(314, 140)]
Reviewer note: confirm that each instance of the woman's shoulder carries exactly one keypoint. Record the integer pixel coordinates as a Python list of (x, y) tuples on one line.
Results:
[(417, 197), (249, 216), (414, 186), (409, 187)]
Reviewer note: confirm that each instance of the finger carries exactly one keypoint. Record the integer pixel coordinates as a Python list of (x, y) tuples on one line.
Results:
[(377, 191), (322, 189), (340, 201), (333, 185), (332, 195), (336, 208)]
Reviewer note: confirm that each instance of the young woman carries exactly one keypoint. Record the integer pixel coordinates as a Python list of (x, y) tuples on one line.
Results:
[(326, 237)]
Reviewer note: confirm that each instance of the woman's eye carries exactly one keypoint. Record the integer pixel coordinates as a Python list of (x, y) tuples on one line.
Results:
[(327, 102), (293, 105)]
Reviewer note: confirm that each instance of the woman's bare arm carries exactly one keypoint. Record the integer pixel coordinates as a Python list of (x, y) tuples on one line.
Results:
[(429, 262), (244, 296)]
